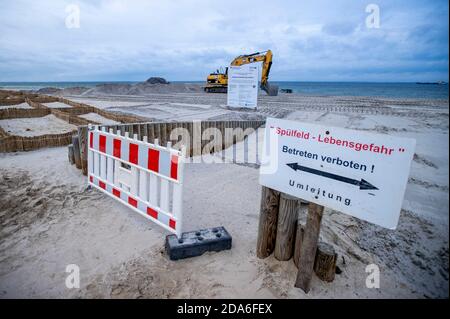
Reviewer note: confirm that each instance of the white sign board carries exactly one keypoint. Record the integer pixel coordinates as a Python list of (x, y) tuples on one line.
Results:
[(242, 86), (358, 173)]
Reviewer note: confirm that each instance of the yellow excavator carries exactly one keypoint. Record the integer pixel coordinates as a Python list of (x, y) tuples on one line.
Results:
[(217, 82)]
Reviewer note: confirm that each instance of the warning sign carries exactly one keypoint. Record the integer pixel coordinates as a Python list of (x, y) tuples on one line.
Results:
[(358, 173), (243, 86)]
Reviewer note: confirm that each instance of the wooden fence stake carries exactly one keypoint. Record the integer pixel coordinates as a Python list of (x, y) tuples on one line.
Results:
[(309, 246), (298, 242), (287, 220), (70, 154), (82, 139), (267, 222), (325, 264), (76, 151)]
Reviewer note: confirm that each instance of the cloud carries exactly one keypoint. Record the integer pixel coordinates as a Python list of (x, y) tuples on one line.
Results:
[(339, 29), (185, 40)]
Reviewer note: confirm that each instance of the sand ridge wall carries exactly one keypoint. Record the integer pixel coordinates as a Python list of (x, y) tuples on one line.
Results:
[(138, 125), (123, 118), (12, 101), (14, 143), (8, 97), (71, 119), (35, 104), (3, 132), (21, 113)]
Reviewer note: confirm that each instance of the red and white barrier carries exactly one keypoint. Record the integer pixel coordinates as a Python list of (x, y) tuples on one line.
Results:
[(146, 177)]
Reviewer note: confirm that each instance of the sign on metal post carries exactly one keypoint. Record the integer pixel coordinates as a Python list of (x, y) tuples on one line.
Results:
[(148, 178), (242, 86), (358, 173)]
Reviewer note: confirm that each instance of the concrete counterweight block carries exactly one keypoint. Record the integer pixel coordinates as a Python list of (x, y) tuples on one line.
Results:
[(196, 243)]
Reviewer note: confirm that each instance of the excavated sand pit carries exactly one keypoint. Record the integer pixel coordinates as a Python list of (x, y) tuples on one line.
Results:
[(23, 105), (98, 118), (56, 105), (35, 126)]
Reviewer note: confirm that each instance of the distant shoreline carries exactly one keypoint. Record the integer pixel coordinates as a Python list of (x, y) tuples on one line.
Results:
[(421, 90)]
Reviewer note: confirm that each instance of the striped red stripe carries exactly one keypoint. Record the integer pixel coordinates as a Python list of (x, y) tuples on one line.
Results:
[(174, 167), (134, 149), (102, 143), (153, 213), (132, 201), (91, 179), (116, 147), (153, 160), (116, 192), (91, 140)]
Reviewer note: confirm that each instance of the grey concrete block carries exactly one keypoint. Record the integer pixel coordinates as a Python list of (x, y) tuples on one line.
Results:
[(196, 243)]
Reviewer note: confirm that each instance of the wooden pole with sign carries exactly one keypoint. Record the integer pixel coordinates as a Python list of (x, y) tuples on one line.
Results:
[(267, 228), (287, 220), (298, 242), (309, 247)]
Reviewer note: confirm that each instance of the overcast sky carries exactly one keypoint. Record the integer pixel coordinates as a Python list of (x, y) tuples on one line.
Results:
[(185, 40)]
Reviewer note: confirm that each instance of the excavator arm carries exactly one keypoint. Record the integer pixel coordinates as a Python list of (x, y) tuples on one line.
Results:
[(218, 82), (266, 59)]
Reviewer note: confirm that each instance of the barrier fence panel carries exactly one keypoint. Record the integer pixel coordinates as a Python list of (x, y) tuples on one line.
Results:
[(147, 178)]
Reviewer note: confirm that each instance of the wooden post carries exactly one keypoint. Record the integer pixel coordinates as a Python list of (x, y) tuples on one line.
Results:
[(309, 246), (287, 220), (167, 132), (196, 135), (298, 242), (144, 130), (70, 154), (76, 151), (325, 264), (82, 139), (151, 132), (157, 135), (267, 222)]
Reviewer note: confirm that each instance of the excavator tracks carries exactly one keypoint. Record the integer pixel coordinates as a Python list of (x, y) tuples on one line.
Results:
[(215, 89)]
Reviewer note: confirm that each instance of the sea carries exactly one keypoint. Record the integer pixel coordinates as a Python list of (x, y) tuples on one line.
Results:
[(377, 89)]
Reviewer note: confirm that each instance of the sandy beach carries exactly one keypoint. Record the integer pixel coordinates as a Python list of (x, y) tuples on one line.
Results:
[(49, 218), (48, 124)]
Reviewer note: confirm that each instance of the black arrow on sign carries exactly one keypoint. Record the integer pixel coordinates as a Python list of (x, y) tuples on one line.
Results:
[(363, 184)]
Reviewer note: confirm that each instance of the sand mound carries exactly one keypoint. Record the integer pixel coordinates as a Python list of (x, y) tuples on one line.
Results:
[(109, 89), (48, 90), (142, 88), (76, 90), (148, 88), (151, 86)]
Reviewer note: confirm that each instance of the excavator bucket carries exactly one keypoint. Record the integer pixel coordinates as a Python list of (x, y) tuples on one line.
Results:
[(270, 89)]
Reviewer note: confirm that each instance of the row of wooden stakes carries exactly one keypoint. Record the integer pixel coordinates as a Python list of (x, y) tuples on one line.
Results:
[(281, 233), (163, 132)]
